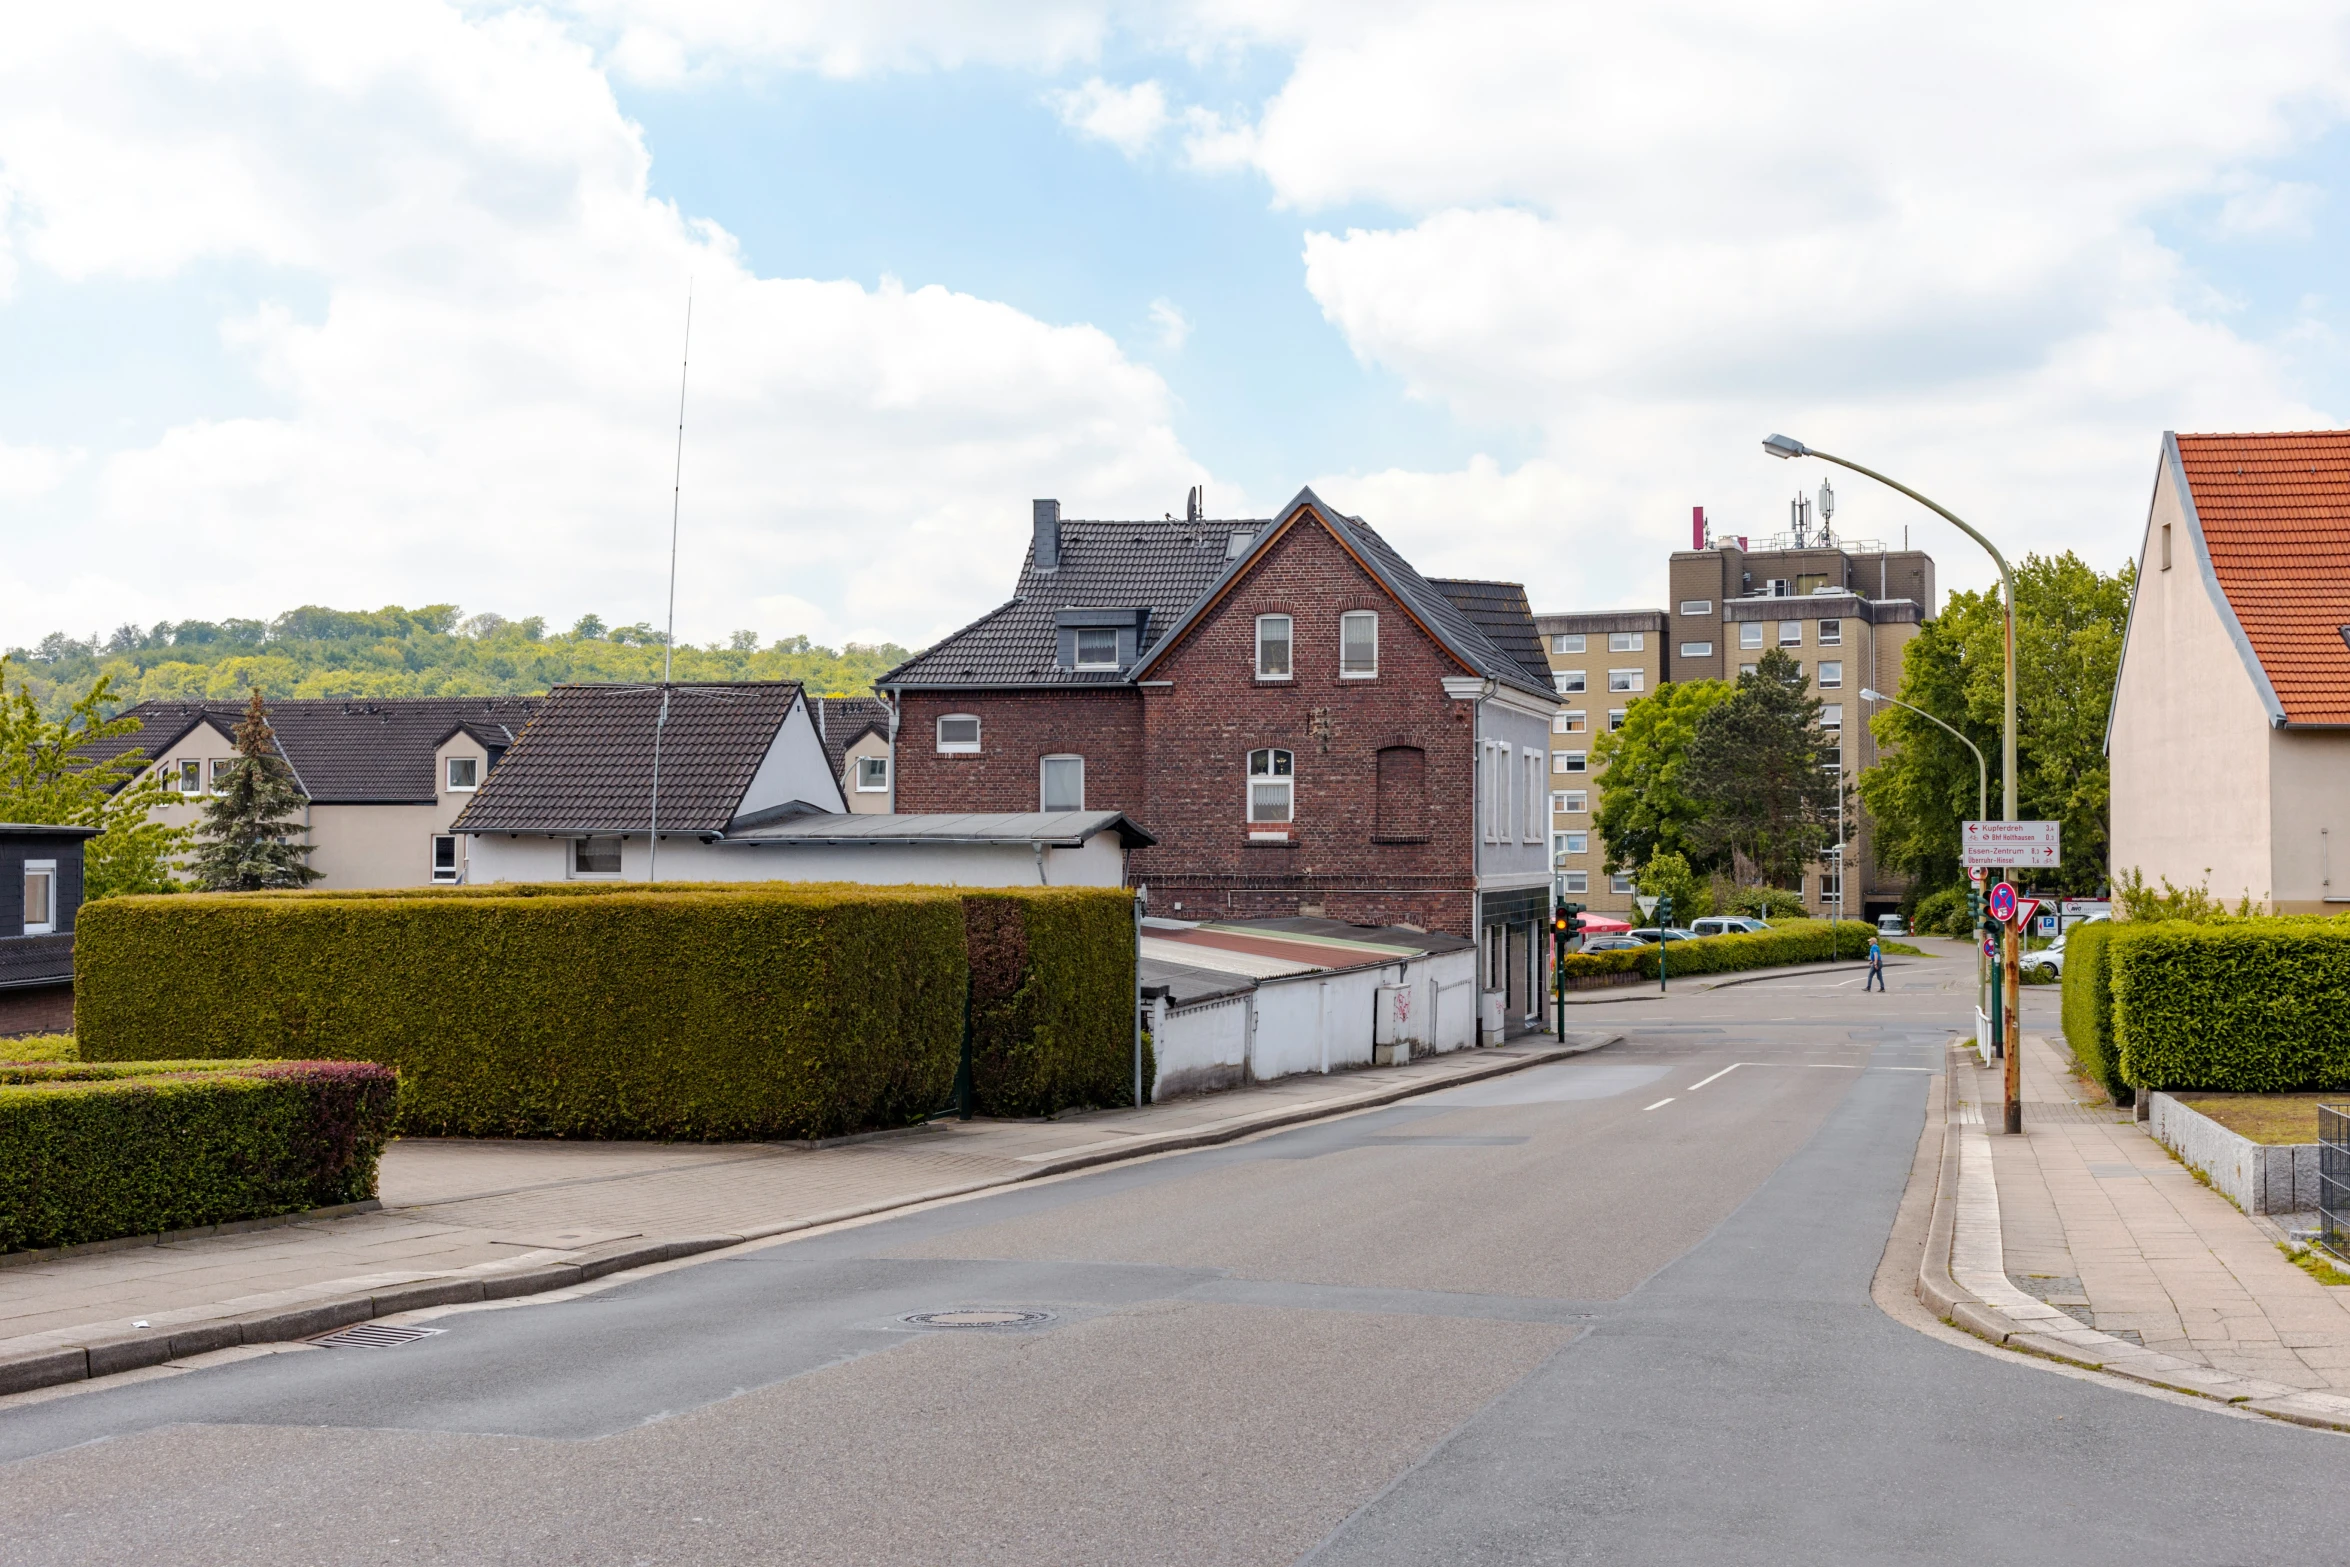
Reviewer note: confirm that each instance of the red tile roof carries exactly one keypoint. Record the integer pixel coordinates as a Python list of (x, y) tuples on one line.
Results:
[(2275, 513)]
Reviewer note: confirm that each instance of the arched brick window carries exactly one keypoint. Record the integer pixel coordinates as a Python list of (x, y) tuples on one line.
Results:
[(1403, 795)]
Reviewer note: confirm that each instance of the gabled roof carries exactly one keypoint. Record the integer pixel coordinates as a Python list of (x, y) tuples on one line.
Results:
[(1501, 611), (343, 751), (843, 720), (1162, 567), (585, 762), (1423, 600), (2273, 515)]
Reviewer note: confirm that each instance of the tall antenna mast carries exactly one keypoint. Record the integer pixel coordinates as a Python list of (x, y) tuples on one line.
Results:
[(669, 637)]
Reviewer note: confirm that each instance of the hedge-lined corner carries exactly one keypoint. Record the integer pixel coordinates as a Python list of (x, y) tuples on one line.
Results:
[(94, 1155), (2240, 1006), (1052, 998), (2088, 1007), (705, 1011), (1794, 941)]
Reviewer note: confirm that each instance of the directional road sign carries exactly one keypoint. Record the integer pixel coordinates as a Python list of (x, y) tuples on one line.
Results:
[(2006, 845), (2003, 902)]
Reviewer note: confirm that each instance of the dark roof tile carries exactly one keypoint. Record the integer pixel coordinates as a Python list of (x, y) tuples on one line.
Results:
[(344, 751)]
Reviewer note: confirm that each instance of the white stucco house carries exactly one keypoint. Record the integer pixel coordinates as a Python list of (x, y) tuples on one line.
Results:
[(2229, 738)]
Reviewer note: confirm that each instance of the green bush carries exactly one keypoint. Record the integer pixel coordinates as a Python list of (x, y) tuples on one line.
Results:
[(2258, 1005), (1052, 998), (1797, 941), (91, 1153), (684, 1011), (1762, 903), (39, 1047), (1941, 914)]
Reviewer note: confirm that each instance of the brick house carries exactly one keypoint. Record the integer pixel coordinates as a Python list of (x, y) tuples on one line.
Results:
[(1307, 724)]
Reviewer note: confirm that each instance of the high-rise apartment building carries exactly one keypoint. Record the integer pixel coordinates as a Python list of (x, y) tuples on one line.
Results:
[(1602, 664)]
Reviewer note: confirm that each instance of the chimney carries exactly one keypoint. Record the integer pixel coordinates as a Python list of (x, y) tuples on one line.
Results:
[(1048, 535), (1697, 527)]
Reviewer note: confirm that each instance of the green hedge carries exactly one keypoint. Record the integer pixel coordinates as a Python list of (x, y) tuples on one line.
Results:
[(2244, 1006), (95, 1153), (1797, 941), (684, 1011), (1053, 999)]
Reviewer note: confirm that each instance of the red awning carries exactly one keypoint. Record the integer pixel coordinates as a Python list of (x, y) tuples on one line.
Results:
[(1604, 925)]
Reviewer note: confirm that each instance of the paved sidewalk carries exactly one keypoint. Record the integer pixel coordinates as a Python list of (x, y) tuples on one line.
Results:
[(2087, 1241), (471, 1220)]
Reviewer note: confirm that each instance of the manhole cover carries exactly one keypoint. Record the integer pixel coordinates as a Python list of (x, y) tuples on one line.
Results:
[(977, 1318), (375, 1335)]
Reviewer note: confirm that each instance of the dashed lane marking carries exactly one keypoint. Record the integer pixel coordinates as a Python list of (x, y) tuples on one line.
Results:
[(1661, 1103)]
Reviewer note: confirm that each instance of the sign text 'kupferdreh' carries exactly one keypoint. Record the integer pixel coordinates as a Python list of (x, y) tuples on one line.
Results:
[(1996, 845)]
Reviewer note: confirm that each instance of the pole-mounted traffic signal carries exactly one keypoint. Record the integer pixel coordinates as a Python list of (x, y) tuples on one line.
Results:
[(1566, 924)]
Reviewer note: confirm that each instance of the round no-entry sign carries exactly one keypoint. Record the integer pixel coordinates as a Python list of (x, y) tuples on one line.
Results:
[(2003, 901)]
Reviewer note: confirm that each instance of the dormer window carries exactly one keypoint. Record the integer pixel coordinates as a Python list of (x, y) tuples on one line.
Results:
[(1097, 647), (464, 773)]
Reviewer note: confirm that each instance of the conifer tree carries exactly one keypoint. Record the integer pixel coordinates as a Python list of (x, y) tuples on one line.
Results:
[(252, 832)]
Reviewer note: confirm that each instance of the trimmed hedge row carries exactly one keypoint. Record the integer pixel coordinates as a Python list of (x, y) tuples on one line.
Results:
[(2088, 1006), (1796, 941), (706, 1011), (96, 1153), (2242, 1006)]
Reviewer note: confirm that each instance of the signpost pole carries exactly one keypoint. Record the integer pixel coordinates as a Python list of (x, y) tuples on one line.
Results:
[(2013, 984)]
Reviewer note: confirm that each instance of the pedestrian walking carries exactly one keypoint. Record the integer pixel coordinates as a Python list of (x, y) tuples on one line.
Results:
[(1876, 965)]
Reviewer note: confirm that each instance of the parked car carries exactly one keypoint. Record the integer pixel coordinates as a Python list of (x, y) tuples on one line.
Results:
[(1654, 936), (1612, 943), (2050, 959), (1727, 925), (1890, 925)]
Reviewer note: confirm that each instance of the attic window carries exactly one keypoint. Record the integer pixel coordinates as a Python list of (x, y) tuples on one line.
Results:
[(1097, 647), (1236, 545), (464, 773)]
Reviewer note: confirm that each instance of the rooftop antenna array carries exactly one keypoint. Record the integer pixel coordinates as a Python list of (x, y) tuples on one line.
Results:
[(669, 638)]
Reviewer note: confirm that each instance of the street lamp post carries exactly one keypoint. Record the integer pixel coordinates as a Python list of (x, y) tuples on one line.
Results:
[(1982, 809), (1787, 446)]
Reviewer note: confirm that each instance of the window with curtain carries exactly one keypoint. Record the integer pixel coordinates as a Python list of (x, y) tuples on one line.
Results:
[(1061, 783), (1272, 786)]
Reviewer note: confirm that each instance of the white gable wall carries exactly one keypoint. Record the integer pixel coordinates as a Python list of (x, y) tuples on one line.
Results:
[(2191, 748), (795, 768)]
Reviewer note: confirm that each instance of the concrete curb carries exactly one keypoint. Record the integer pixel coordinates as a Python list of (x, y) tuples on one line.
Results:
[(104, 1356), (2033, 1328), (29, 1259)]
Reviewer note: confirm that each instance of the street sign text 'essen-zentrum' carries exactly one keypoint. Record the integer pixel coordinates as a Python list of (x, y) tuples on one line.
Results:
[(1997, 845)]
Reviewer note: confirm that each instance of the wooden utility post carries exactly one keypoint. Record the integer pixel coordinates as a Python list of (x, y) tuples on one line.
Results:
[(2012, 981)]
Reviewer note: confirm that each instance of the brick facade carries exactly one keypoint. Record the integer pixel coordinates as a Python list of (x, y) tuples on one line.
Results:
[(1173, 755)]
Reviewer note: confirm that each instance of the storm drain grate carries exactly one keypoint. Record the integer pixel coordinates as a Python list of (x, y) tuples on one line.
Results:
[(977, 1318), (374, 1335)]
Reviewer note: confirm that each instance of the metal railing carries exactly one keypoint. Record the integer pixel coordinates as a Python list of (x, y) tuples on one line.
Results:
[(2333, 1178)]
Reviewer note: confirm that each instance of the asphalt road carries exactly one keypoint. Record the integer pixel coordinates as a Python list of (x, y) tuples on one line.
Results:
[(1614, 1310)]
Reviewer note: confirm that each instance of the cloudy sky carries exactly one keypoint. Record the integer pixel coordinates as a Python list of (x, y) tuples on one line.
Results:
[(367, 304)]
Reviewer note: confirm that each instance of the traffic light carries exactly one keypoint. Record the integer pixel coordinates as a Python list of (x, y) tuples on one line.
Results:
[(1664, 912), (1566, 922), (1974, 906)]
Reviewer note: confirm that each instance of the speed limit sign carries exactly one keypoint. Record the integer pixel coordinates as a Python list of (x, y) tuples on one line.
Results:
[(2003, 902)]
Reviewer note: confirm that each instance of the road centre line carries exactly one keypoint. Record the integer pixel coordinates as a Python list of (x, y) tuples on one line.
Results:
[(1660, 1104), (1725, 1072)]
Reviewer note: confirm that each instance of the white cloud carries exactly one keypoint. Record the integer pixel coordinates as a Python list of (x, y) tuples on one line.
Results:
[(482, 409), (34, 470), (1173, 325), (1128, 118), (2282, 209), (670, 40)]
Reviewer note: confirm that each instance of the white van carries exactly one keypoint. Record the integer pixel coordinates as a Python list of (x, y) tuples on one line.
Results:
[(1726, 925)]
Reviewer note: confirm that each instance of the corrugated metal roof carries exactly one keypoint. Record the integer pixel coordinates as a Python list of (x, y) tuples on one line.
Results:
[(2275, 515), (585, 761)]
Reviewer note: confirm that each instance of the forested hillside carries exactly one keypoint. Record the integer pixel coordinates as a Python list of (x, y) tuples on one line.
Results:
[(394, 652)]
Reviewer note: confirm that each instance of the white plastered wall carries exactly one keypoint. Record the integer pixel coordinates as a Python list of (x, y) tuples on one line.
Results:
[(2309, 820), (2190, 748), (1098, 862), (795, 768)]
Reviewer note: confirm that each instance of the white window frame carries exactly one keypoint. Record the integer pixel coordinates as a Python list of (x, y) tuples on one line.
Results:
[(1570, 761), (1750, 635), (1831, 633), (1570, 721), (1578, 803), (968, 747), (1077, 658), (1697, 606), (1627, 641), (191, 776), (456, 871), (1831, 682), (1567, 642), (1790, 633), (1530, 793), (1831, 715), (1627, 680), (1346, 620), (1577, 842), (46, 872), (1697, 650), (1620, 883), (216, 770), (1616, 717), (1570, 682), (1270, 778), (571, 860), (449, 773), (1288, 670), (1577, 881), (1558, 802), (1044, 762), (1749, 669), (863, 762)]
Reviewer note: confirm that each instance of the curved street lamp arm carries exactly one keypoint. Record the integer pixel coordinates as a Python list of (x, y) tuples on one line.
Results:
[(1943, 512), (1982, 769)]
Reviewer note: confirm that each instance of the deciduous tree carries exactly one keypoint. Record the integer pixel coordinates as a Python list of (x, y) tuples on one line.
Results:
[(46, 776), (1644, 809)]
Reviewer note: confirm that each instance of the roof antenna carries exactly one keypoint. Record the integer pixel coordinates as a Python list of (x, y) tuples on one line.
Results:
[(669, 639)]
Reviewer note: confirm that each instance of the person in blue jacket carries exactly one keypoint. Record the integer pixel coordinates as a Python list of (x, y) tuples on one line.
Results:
[(1876, 965)]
